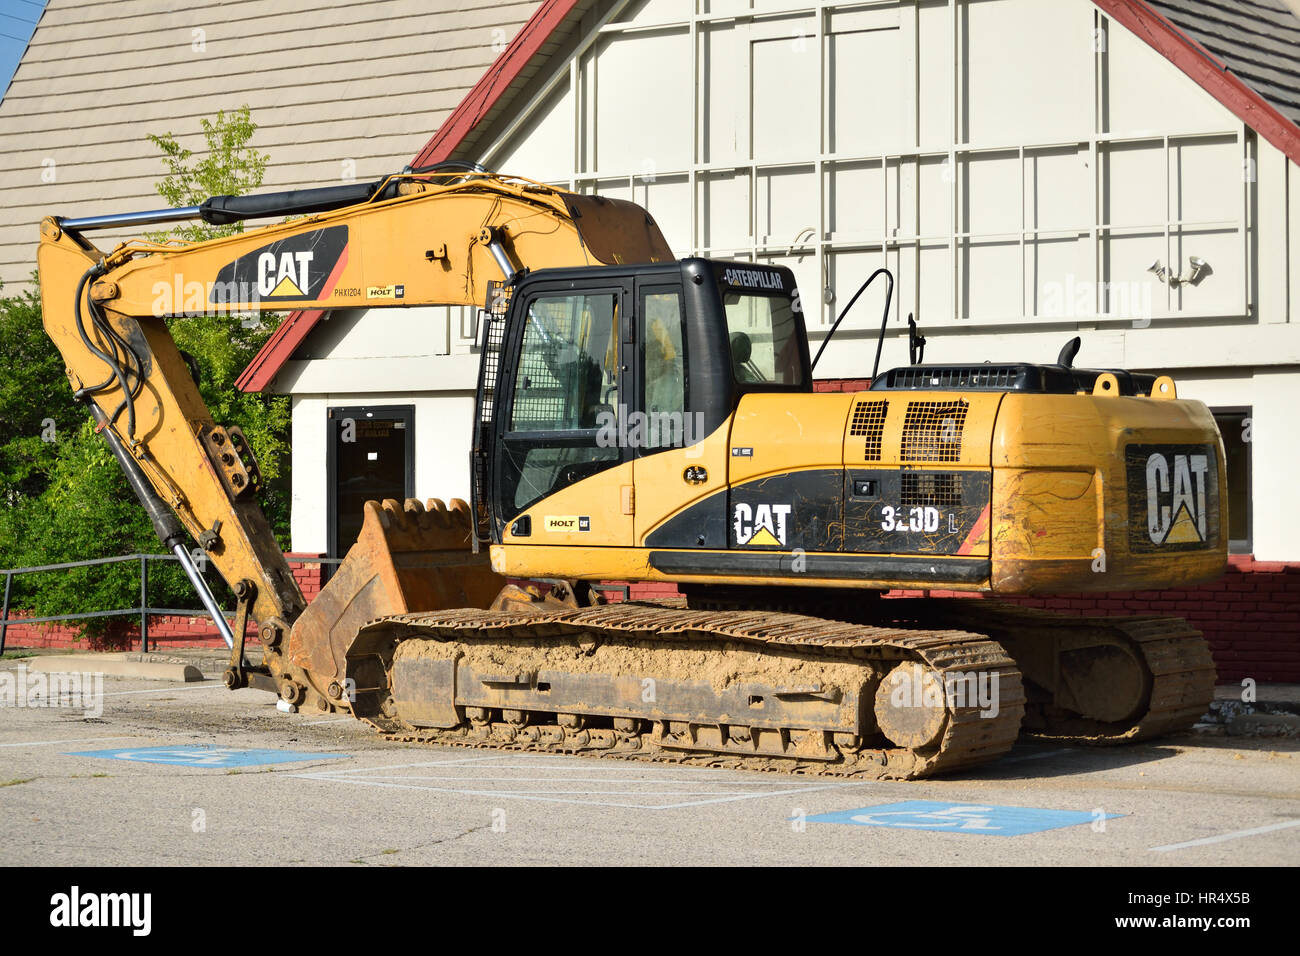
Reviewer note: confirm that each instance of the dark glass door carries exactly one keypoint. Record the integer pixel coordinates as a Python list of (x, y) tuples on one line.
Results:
[(371, 457)]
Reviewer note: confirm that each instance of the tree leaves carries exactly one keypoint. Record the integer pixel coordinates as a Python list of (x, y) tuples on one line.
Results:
[(62, 495)]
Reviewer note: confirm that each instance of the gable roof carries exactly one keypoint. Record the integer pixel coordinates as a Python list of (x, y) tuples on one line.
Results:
[(99, 75), (1216, 77), (1258, 44), (1258, 40)]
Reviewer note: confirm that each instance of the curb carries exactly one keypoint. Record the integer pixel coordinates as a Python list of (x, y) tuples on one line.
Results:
[(116, 666)]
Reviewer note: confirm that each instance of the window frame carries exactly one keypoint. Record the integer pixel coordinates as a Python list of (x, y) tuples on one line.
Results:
[(508, 439)]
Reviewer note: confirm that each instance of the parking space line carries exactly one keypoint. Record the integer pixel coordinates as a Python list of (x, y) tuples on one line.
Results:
[(168, 690), (543, 798), (1223, 837), (74, 740), (408, 766), (462, 777)]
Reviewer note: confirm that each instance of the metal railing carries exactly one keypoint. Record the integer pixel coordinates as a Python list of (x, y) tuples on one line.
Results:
[(143, 609)]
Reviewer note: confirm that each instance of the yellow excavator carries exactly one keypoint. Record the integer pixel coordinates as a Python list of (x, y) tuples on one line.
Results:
[(643, 418)]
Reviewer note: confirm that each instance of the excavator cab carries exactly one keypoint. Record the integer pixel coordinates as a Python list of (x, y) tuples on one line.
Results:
[(588, 371)]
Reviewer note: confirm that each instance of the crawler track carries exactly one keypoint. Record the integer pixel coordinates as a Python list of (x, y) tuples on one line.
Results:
[(1179, 671), (668, 640)]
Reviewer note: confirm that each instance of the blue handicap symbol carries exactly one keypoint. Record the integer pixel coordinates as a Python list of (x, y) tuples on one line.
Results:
[(205, 756), (962, 817)]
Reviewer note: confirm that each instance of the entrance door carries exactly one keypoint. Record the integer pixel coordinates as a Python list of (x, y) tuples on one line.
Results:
[(371, 457)]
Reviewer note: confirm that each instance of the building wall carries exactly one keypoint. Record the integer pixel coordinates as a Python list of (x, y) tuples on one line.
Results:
[(442, 424), (340, 89), (1018, 165)]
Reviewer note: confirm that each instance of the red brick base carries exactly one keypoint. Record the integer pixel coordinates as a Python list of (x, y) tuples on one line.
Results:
[(164, 630)]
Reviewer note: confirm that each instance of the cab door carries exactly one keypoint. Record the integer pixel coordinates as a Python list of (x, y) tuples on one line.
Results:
[(680, 472), (560, 465)]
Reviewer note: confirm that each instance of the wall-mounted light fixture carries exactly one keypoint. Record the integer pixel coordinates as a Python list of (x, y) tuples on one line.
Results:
[(1197, 269)]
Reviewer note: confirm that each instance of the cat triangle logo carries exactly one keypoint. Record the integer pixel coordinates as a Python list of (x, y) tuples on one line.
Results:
[(765, 537), (286, 286), (1183, 530)]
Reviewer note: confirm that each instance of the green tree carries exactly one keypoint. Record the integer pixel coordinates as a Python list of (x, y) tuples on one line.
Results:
[(62, 495), (36, 404), (228, 167), (222, 343)]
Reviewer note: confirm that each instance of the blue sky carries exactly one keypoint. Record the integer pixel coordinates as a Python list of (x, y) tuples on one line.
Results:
[(17, 21)]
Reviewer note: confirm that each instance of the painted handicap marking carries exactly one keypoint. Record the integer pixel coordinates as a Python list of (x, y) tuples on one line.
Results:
[(206, 756), (962, 817)]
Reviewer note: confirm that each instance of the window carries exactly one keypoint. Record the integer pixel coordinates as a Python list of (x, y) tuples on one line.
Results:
[(665, 369), (764, 343), (1235, 428), (565, 400), (568, 366)]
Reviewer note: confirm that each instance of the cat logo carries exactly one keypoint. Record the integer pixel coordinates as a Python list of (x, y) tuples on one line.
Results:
[(761, 525), (290, 277), (1174, 491), (308, 266)]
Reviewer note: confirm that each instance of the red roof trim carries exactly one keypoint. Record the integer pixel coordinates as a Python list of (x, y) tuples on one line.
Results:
[(500, 75), (279, 348), (1211, 75), (283, 342)]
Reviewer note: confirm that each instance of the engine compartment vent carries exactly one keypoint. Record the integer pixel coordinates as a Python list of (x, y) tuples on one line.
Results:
[(868, 422), (935, 488), (932, 431)]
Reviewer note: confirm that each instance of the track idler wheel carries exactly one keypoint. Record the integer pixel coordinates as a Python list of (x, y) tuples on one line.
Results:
[(911, 706)]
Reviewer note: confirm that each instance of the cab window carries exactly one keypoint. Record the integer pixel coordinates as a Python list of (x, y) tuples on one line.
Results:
[(664, 369), (763, 336), (565, 396)]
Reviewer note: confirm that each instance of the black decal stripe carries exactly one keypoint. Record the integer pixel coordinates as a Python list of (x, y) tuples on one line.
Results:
[(843, 566)]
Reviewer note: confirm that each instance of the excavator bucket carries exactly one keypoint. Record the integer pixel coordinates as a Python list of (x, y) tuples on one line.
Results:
[(408, 557)]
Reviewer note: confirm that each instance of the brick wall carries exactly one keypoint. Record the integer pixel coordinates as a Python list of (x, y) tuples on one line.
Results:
[(842, 385), (123, 635), (308, 575)]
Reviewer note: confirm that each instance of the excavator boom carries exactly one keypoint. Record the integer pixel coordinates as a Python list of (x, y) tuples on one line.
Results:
[(435, 236)]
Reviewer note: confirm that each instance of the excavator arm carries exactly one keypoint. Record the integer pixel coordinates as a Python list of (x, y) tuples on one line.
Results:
[(425, 237)]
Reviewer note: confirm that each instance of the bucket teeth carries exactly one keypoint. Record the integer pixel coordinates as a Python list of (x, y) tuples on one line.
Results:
[(415, 515)]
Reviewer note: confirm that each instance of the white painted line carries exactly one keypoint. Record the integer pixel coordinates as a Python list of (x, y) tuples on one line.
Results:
[(74, 740), (662, 773), (1222, 837), (379, 773), (751, 796), (167, 690), (426, 763), (541, 798)]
